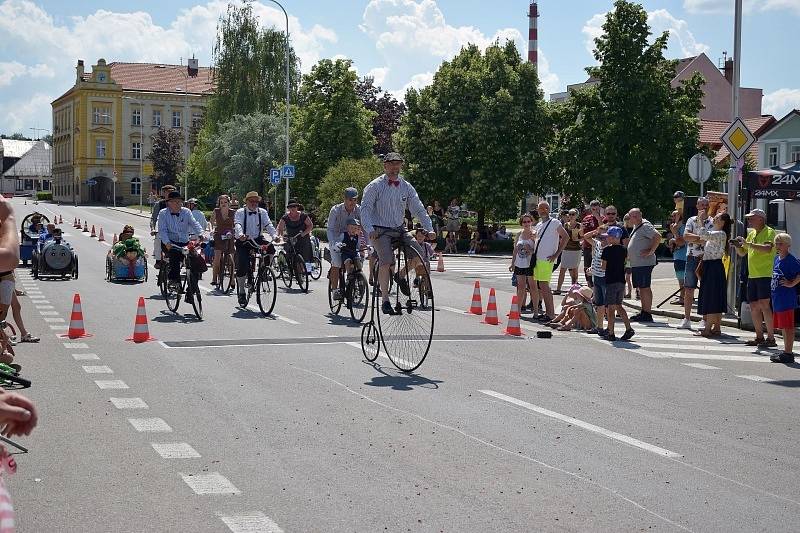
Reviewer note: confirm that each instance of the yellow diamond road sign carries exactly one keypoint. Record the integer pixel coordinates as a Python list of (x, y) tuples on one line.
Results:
[(738, 139)]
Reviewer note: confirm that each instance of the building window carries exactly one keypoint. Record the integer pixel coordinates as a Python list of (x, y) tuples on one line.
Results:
[(136, 151), (197, 119), (136, 186), (157, 119), (45, 185), (176, 119), (794, 154), (100, 149), (136, 117), (772, 156), (101, 115), (555, 202)]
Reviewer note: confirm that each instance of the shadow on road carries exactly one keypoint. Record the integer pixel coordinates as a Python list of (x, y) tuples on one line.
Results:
[(340, 320), (168, 317), (789, 383), (400, 382)]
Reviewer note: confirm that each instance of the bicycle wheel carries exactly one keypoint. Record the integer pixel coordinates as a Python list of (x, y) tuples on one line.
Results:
[(301, 273), (266, 290), (357, 295), (172, 297), (335, 305), (316, 270), (370, 341), (227, 273), (408, 332), (197, 297), (283, 269)]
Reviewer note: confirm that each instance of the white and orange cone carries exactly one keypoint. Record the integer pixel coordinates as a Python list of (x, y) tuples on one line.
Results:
[(76, 224), (476, 308), (141, 332), (100, 236), (61, 219), (491, 310), (76, 329), (93, 233), (114, 240), (440, 264), (513, 327), (85, 227)]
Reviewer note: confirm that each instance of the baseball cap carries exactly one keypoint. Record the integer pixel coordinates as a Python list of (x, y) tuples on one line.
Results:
[(757, 213), (351, 192), (353, 221)]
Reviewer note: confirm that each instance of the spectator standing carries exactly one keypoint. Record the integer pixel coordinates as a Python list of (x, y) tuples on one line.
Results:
[(694, 254), (453, 216), (785, 277), (677, 245), (521, 263), (571, 256), (759, 246), (613, 264), (551, 238), (590, 222), (712, 301), (642, 245), (436, 221), (626, 225), (438, 210), (598, 276)]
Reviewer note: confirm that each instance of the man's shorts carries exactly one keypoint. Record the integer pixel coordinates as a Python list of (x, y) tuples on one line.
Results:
[(614, 293), (383, 244), (641, 276), (758, 289), (599, 297), (6, 291), (543, 271), (690, 280), (336, 257), (680, 268), (783, 319)]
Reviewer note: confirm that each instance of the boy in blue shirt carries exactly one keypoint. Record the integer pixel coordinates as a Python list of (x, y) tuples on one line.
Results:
[(784, 295)]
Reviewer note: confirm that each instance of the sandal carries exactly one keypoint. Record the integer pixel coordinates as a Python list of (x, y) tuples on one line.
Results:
[(19, 292), (29, 338), (754, 342), (564, 328)]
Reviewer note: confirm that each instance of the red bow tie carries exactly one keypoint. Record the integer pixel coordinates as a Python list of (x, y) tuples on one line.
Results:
[(394, 183)]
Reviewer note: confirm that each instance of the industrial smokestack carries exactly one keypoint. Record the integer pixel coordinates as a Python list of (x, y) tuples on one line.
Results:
[(533, 34)]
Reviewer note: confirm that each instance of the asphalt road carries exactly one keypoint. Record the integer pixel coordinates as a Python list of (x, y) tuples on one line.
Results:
[(493, 433)]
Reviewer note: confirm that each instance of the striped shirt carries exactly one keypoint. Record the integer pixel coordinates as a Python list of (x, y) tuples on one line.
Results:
[(255, 224), (337, 221), (176, 229), (597, 260), (385, 205)]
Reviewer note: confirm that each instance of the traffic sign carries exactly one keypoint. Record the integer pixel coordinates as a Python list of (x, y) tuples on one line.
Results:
[(274, 176), (91, 182), (699, 168), (287, 171), (738, 139)]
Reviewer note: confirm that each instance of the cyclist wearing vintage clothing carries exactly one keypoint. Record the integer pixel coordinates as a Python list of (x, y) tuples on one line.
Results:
[(157, 207), (337, 229), (383, 207), (175, 224), (249, 222), (295, 223)]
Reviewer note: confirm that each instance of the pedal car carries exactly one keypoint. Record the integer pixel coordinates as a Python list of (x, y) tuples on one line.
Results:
[(32, 226), (54, 257), (127, 261)]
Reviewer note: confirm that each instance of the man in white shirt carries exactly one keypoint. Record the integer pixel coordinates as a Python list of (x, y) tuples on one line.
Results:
[(249, 222), (691, 234), (337, 226), (551, 237)]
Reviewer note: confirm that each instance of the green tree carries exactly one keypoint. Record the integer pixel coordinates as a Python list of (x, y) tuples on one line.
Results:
[(244, 150), (478, 132), (627, 140), (331, 124), (346, 173), (166, 156)]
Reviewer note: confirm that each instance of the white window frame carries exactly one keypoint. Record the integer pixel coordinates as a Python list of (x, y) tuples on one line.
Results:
[(794, 153), (101, 115), (136, 117), (157, 118), (100, 148), (772, 156), (554, 199), (177, 119), (136, 185), (136, 150)]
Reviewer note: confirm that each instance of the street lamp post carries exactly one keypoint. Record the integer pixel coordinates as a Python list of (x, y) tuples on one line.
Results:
[(288, 89), (141, 147)]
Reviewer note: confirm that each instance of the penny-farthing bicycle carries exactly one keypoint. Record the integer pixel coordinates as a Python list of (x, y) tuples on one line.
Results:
[(406, 334)]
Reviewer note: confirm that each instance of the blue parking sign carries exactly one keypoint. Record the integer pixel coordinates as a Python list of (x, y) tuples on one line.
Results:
[(275, 176), (287, 171)]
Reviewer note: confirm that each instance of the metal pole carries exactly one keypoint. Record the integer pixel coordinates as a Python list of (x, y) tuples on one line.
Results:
[(698, 165), (734, 172), (141, 154), (288, 89), (186, 134)]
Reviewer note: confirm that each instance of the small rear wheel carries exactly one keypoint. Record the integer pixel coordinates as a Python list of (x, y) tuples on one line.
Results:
[(357, 296), (316, 270), (333, 303), (283, 269), (370, 341)]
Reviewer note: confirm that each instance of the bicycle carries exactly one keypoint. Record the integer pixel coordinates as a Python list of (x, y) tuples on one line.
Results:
[(316, 260), (407, 333), (227, 268), (288, 256), (355, 291), (188, 284), (264, 286)]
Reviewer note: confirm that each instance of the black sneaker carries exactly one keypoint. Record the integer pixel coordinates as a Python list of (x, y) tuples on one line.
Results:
[(602, 332), (636, 318), (242, 300), (784, 357), (403, 284), (610, 337), (769, 343), (627, 335), (387, 309), (646, 317)]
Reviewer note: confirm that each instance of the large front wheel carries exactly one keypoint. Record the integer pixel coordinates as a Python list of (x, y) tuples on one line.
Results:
[(301, 272), (266, 290)]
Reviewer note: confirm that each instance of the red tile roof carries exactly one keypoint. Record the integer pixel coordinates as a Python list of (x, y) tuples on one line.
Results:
[(157, 77)]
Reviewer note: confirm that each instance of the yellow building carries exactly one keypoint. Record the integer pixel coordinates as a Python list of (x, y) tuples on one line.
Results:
[(103, 127)]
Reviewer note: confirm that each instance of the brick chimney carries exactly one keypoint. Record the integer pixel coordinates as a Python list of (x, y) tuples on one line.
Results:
[(79, 71), (728, 70)]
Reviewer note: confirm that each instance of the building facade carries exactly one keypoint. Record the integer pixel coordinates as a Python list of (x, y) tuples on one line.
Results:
[(26, 167), (781, 143), (104, 125)]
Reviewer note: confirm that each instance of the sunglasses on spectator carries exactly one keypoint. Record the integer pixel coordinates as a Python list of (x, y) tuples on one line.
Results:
[(611, 212)]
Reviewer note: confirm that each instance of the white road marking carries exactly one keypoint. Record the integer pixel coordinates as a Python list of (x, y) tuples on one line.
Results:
[(111, 384), (453, 310), (758, 379), (701, 366), (279, 317), (76, 345), (85, 356), (256, 522), (678, 346), (49, 313), (175, 450), (129, 403), (585, 425), (149, 424), (53, 320), (44, 307), (707, 356), (59, 328), (97, 369), (211, 483)]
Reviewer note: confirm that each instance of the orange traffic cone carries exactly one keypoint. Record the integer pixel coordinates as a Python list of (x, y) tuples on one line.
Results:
[(141, 332), (85, 227), (76, 330), (513, 327), (476, 308), (114, 240), (101, 237), (76, 224), (440, 264), (61, 219), (491, 310), (93, 233)]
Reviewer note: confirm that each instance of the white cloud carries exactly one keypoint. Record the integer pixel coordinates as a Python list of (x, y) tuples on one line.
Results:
[(15, 69), (418, 81), (378, 74), (22, 113), (682, 42), (749, 6), (780, 102)]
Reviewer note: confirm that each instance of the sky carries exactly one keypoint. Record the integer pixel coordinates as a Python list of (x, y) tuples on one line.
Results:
[(400, 43)]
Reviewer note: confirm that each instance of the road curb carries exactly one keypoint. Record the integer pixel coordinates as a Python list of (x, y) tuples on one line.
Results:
[(128, 211)]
